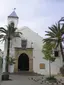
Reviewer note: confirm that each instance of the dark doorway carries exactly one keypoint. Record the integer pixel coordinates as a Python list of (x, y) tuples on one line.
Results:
[(23, 62)]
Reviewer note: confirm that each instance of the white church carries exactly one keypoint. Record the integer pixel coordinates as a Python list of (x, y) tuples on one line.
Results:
[(27, 50)]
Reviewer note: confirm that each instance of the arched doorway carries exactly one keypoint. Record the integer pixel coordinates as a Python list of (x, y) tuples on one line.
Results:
[(23, 62)]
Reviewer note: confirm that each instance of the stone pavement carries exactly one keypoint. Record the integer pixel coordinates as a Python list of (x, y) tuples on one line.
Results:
[(19, 80), (28, 80)]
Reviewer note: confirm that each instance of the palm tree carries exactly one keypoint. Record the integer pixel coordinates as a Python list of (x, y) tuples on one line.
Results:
[(55, 35), (7, 35)]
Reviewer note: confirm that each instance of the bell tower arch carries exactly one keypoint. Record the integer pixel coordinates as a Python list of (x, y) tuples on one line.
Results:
[(13, 18)]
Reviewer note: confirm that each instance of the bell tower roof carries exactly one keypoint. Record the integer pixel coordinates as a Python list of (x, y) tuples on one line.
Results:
[(13, 15)]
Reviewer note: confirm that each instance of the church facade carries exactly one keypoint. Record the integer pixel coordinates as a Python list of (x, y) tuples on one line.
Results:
[(27, 51)]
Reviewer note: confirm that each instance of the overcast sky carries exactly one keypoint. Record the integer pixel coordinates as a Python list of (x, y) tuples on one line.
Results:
[(36, 14)]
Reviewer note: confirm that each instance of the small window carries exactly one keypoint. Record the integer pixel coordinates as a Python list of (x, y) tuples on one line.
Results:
[(56, 53), (24, 44)]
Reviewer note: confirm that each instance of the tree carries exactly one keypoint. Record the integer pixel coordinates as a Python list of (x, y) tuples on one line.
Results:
[(7, 34), (55, 35), (48, 54)]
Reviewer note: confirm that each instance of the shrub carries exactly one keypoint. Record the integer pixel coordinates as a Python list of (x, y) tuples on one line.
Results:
[(11, 61), (51, 79), (62, 70)]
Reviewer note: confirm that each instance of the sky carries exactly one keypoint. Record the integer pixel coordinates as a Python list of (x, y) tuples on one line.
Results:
[(38, 15)]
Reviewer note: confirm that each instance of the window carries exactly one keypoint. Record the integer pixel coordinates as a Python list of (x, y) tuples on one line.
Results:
[(56, 53), (24, 44)]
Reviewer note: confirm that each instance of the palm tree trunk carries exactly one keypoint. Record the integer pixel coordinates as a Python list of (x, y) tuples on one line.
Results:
[(7, 57), (62, 52)]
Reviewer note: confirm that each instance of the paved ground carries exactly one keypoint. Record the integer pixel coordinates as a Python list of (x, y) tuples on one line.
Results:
[(20, 80), (28, 80)]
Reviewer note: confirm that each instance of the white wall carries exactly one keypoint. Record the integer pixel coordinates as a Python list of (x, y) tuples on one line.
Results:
[(38, 55), (37, 52), (15, 20)]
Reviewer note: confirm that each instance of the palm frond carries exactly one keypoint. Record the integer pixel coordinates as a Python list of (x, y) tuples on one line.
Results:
[(2, 31), (53, 29), (48, 33), (62, 29), (50, 40), (1, 36), (2, 28)]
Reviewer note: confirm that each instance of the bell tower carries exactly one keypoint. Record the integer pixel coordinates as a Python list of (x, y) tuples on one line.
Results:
[(13, 18)]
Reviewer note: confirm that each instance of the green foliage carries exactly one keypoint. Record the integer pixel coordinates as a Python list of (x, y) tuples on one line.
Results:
[(11, 60), (51, 79), (47, 50), (54, 34), (48, 54), (7, 34), (62, 70)]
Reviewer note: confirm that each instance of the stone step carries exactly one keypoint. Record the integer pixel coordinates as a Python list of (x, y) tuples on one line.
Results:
[(25, 73)]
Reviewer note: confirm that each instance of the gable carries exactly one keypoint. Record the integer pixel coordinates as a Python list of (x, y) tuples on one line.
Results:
[(32, 36)]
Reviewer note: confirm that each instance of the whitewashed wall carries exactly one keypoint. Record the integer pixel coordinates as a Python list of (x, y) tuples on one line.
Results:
[(38, 55), (34, 38), (15, 20)]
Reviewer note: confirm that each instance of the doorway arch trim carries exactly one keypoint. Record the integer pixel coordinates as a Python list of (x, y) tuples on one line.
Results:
[(29, 52)]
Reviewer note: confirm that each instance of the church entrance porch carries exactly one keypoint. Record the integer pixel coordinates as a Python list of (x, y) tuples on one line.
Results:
[(23, 62), (24, 59)]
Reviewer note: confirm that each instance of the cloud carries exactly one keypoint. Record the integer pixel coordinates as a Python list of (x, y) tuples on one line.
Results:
[(36, 14)]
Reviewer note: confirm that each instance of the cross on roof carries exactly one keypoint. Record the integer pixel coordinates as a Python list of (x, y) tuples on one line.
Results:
[(14, 9), (13, 14)]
